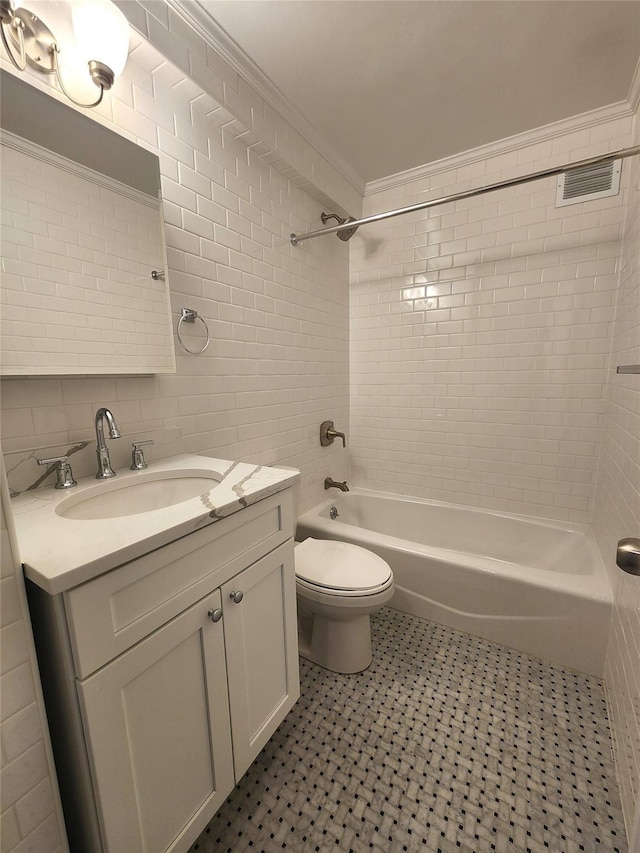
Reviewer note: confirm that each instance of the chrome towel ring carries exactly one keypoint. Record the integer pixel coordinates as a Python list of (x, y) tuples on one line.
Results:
[(188, 315)]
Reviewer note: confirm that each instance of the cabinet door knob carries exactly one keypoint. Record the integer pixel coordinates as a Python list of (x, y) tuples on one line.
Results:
[(236, 596), (215, 615)]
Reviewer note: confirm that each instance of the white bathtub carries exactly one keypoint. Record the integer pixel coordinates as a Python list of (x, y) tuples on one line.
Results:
[(534, 585)]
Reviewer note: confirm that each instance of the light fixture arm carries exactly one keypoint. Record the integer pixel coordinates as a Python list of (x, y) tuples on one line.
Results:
[(8, 19), (55, 50)]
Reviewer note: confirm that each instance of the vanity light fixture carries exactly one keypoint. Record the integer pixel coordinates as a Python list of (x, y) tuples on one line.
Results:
[(100, 31)]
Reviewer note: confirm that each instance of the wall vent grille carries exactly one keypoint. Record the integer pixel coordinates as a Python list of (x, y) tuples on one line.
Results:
[(599, 180)]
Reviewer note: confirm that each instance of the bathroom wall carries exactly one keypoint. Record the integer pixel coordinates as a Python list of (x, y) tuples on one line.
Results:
[(237, 180), (29, 818), (480, 330), (277, 365), (511, 421), (617, 509)]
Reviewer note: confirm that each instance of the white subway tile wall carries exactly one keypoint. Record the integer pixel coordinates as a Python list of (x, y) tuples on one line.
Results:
[(261, 127), (480, 335), (617, 509), (77, 255), (277, 365), (28, 819)]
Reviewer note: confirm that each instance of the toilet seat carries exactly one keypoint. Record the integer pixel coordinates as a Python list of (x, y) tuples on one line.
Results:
[(340, 568), (342, 593)]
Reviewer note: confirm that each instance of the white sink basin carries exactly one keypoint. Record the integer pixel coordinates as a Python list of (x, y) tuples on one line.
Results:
[(145, 492)]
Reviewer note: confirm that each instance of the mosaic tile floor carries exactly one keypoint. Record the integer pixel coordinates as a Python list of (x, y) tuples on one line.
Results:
[(446, 743)]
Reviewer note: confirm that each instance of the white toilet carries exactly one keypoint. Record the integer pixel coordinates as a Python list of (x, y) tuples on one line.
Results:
[(338, 585)]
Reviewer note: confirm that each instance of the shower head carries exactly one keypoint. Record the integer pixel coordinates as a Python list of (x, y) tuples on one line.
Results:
[(345, 233)]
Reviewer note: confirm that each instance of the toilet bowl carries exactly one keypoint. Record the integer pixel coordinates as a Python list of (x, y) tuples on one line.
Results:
[(338, 585)]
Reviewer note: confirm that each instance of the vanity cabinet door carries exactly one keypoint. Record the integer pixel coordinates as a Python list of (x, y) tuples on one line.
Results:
[(158, 735), (261, 639)]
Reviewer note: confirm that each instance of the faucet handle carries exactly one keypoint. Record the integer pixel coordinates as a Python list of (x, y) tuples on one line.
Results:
[(138, 462), (333, 433), (64, 474), (328, 434)]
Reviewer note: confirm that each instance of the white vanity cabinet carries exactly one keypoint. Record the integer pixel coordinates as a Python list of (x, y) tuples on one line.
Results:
[(156, 723), (166, 676)]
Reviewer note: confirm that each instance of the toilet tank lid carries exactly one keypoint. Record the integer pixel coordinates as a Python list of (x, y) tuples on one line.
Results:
[(340, 565)]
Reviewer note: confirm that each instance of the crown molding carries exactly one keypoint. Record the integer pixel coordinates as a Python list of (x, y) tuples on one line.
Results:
[(633, 98), (593, 118), (221, 42)]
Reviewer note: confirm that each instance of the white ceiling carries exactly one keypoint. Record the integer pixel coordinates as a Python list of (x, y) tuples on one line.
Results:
[(389, 85)]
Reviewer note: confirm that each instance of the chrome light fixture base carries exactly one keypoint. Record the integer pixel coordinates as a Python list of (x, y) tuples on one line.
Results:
[(39, 41)]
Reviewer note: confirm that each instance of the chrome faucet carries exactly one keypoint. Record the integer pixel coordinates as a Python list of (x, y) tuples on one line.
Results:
[(104, 462), (333, 484)]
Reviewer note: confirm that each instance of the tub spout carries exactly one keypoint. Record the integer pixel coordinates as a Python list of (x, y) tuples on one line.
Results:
[(334, 484)]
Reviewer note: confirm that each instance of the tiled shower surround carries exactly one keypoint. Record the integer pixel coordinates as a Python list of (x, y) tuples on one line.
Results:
[(481, 334), (524, 291)]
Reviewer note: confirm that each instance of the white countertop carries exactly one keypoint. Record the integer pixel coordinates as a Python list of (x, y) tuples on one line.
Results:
[(59, 553)]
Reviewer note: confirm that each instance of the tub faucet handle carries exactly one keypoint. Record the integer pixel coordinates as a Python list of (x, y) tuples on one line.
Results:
[(328, 434)]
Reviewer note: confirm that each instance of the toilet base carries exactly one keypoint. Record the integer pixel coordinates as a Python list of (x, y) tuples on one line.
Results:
[(340, 645)]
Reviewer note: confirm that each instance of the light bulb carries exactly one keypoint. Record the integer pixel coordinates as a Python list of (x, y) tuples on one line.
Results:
[(102, 36)]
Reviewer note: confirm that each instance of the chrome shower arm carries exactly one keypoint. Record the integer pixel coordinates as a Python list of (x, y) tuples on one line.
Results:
[(325, 217)]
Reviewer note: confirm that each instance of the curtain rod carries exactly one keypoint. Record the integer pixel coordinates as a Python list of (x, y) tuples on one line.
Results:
[(296, 239)]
